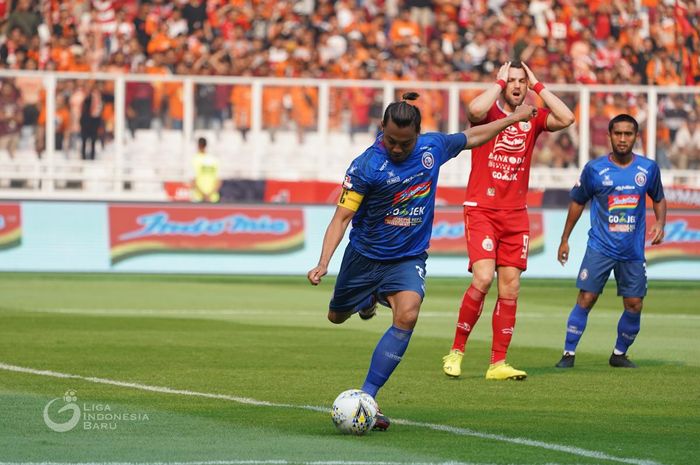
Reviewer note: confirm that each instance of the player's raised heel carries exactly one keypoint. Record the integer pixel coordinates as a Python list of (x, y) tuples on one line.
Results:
[(567, 361), (381, 422), (621, 361), (452, 363), (501, 371)]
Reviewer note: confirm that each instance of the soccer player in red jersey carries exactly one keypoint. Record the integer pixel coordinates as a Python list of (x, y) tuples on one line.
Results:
[(495, 212)]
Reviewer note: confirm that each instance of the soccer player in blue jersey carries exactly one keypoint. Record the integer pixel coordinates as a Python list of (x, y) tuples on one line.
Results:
[(617, 186), (389, 195)]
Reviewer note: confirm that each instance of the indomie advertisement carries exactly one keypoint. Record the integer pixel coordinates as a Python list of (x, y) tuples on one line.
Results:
[(138, 230), (10, 225), (681, 241), (448, 233)]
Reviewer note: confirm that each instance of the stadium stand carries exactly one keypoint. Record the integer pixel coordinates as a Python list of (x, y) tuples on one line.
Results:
[(293, 90)]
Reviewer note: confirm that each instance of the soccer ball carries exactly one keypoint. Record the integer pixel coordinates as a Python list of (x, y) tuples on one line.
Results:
[(354, 412)]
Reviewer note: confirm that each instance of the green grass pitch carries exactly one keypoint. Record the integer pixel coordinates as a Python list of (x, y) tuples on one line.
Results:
[(242, 370)]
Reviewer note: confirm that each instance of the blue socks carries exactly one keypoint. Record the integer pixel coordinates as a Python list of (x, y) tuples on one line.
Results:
[(386, 358), (627, 330), (575, 327)]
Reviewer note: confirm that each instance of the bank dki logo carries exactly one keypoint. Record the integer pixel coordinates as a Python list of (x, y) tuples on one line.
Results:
[(94, 416)]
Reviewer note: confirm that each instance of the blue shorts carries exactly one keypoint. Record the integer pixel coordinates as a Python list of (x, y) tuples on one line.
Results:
[(359, 277), (595, 270)]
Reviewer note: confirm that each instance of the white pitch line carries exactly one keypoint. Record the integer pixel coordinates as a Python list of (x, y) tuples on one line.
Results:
[(194, 312), (248, 401), (253, 462), (264, 462)]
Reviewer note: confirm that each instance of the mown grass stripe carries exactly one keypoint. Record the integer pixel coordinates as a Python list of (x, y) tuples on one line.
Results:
[(249, 401)]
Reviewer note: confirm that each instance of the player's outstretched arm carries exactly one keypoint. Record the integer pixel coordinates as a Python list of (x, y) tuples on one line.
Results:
[(480, 105), (657, 230), (334, 234), (479, 135), (575, 211), (560, 116)]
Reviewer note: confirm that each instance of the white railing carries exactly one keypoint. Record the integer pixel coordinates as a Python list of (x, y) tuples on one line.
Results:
[(136, 168)]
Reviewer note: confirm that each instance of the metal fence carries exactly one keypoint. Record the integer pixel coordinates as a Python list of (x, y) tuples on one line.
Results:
[(144, 129)]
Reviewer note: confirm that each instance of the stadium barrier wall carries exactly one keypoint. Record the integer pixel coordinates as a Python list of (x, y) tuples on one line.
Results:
[(264, 239), (141, 152)]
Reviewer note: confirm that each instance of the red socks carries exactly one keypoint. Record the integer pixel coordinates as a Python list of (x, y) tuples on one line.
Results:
[(469, 313), (503, 322)]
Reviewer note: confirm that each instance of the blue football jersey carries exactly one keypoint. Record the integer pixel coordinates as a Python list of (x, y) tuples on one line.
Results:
[(618, 204), (395, 218)]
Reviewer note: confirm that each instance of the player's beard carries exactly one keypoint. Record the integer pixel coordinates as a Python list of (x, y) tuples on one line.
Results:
[(514, 102), (621, 153)]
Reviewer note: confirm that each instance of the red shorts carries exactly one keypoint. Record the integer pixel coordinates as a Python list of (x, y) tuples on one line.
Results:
[(501, 235)]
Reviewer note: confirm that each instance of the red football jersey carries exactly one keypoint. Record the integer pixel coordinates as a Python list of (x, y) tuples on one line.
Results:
[(500, 172)]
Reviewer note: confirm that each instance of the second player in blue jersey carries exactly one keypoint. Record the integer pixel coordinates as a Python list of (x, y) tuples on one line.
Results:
[(617, 185)]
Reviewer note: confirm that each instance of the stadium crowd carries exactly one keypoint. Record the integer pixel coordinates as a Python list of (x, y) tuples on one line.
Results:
[(655, 42)]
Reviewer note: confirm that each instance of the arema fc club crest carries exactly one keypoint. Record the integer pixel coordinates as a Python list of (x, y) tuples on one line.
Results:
[(584, 274), (640, 179), (428, 160)]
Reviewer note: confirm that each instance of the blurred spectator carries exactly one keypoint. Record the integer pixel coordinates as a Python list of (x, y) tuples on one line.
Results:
[(61, 125), (205, 103), (273, 109), (91, 119), (241, 105), (303, 104), (195, 13), (10, 117), (25, 18), (685, 152), (674, 112), (206, 182), (139, 103), (563, 151), (598, 127), (404, 30)]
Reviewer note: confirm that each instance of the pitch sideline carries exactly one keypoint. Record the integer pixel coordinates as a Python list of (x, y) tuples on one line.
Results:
[(255, 462), (249, 401)]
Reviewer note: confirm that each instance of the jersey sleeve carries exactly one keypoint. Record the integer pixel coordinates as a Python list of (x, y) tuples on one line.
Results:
[(541, 119), (655, 189), (452, 145), (583, 190), (356, 178)]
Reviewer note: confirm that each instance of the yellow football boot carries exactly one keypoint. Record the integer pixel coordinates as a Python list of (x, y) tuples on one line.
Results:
[(502, 371), (452, 363)]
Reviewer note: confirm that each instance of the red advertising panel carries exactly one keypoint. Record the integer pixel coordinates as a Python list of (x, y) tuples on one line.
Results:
[(681, 242), (10, 225), (448, 233), (323, 192), (177, 191), (136, 230), (681, 197), (302, 191)]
